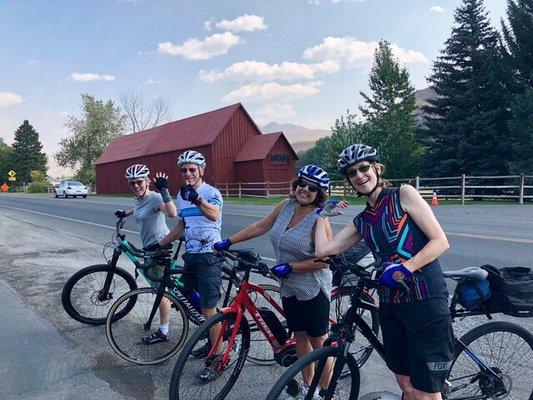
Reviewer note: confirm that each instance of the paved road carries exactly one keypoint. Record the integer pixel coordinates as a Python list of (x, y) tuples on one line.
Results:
[(64, 235), (492, 234)]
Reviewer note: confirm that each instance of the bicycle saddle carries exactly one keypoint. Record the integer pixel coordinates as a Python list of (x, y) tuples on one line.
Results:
[(472, 273)]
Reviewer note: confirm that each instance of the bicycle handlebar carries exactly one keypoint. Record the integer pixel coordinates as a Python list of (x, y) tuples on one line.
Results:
[(247, 260)]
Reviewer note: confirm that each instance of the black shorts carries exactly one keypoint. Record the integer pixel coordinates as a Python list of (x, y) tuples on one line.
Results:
[(311, 316), (206, 276), (421, 349)]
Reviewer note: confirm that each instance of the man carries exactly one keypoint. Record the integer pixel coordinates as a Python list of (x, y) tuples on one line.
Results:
[(200, 217)]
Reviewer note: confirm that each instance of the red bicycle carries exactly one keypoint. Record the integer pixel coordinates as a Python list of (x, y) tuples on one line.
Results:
[(213, 376)]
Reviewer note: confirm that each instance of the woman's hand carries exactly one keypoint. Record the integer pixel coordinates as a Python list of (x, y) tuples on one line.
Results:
[(161, 181), (332, 208)]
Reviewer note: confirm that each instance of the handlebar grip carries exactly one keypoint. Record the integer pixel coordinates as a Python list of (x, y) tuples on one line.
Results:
[(403, 286)]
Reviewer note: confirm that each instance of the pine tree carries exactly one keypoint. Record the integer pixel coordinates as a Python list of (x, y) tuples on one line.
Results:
[(27, 154), (518, 53), (389, 113), (466, 124)]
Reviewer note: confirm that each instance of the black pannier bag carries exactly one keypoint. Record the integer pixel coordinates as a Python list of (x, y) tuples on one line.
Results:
[(512, 291)]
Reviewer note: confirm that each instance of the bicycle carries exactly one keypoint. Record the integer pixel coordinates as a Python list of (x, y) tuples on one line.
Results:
[(480, 373)]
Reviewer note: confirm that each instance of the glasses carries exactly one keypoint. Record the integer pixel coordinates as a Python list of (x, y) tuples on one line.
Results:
[(312, 188), (362, 169), (191, 170), (138, 183)]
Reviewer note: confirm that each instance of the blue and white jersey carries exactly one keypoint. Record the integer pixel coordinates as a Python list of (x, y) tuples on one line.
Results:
[(200, 232)]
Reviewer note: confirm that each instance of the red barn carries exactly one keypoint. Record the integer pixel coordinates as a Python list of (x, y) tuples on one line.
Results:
[(233, 145)]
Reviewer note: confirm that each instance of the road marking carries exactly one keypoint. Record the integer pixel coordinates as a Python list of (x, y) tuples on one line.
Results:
[(459, 234), (90, 223)]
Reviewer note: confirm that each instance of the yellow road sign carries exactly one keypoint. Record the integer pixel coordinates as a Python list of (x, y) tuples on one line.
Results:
[(11, 174), (11, 178)]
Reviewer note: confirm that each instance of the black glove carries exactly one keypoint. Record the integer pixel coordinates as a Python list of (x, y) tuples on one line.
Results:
[(120, 214), (153, 247), (161, 183), (188, 193)]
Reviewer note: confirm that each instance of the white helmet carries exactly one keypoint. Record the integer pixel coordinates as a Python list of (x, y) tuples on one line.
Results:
[(191, 157), (137, 171), (355, 153), (315, 174)]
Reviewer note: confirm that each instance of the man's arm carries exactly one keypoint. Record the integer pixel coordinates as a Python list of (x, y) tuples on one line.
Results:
[(174, 234)]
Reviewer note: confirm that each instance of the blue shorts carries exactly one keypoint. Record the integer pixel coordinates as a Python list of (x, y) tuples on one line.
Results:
[(206, 276)]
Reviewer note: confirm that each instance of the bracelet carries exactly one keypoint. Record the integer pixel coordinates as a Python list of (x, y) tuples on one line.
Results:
[(165, 194)]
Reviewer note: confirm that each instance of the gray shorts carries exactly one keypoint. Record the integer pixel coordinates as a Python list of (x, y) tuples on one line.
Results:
[(206, 276)]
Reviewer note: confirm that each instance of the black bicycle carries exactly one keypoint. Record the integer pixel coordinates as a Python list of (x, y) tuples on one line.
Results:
[(492, 361)]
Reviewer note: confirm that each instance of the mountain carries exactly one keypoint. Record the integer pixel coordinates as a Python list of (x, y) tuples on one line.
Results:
[(421, 98), (299, 137)]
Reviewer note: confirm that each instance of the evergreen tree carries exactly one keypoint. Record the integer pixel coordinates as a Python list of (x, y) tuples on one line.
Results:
[(518, 53), (90, 135), (466, 124), (389, 113), (27, 154)]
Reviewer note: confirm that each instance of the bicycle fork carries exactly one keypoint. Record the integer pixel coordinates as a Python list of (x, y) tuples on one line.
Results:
[(103, 294)]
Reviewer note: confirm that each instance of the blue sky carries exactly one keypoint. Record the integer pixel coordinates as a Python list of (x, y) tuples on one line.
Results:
[(297, 61)]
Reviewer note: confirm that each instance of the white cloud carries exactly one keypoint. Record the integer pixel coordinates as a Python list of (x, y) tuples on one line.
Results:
[(273, 112), (246, 23), (89, 76), (272, 91), (437, 9), (32, 61), (313, 2), (260, 71), (154, 81), (195, 49), (9, 99), (208, 25), (354, 53)]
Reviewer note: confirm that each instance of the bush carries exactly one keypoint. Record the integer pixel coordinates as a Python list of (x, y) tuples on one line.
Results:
[(38, 187)]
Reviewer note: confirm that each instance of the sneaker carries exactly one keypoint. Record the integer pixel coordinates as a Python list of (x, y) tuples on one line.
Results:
[(302, 392), (213, 368), (155, 337), (201, 351)]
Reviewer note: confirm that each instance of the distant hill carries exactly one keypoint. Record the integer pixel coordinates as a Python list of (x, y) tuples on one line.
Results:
[(301, 138), (422, 97)]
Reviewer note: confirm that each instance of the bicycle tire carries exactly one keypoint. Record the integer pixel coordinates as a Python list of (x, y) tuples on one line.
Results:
[(482, 340), (340, 302), (188, 365), (73, 304), (288, 381), (124, 334)]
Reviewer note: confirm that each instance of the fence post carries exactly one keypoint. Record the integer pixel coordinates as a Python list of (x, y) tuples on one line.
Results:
[(240, 190), (227, 189), (521, 190), (268, 189), (344, 189), (463, 189), (417, 183)]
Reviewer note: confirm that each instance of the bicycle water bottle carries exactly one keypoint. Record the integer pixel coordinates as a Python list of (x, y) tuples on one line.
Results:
[(194, 298)]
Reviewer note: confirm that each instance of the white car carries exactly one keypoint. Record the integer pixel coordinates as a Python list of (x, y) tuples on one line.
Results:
[(71, 188)]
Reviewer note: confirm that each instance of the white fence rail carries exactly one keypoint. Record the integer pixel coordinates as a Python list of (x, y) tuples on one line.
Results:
[(464, 187)]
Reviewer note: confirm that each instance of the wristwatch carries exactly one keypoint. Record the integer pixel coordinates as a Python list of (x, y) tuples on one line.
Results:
[(198, 201)]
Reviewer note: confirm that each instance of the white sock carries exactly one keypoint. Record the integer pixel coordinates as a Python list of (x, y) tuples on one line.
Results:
[(164, 328)]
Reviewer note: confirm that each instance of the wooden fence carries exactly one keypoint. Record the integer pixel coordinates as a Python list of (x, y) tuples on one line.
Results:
[(519, 187)]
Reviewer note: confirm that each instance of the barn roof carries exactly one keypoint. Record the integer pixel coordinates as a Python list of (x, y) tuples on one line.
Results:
[(199, 130), (257, 147)]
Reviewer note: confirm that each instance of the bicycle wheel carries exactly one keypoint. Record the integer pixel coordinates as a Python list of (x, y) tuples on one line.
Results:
[(340, 302), (125, 334), (260, 350), (507, 348), (291, 382), (187, 382), (85, 299)]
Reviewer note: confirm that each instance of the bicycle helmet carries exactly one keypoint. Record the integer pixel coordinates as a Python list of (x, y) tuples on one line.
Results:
[(315, 174), (137, 171), (355, 153), (191, 157)]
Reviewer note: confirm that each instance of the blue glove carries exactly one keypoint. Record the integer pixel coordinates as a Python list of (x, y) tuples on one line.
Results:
[(188, 193), (222, 245), (386, 278), (281, 270)]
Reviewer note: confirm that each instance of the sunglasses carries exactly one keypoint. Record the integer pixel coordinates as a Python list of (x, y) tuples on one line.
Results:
[(362, 169), (138, 183), (312, 188), (191, 170)]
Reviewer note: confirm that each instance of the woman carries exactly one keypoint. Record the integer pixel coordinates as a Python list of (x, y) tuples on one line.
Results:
[(305, 283), (149, 212), (401, 230)]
